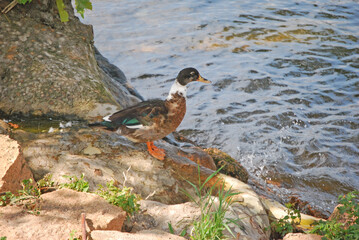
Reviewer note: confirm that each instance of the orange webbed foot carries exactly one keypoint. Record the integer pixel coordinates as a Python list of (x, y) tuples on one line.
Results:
[(156, 152)]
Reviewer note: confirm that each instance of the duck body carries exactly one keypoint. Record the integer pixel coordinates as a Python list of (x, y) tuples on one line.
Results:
[(154, 119)]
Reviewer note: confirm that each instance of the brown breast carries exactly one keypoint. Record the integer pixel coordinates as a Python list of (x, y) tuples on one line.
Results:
[(176, 110)]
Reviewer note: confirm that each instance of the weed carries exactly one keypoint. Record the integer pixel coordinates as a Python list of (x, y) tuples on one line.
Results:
[(123, 198), (45, 182), (287, 224), (172, 231), (28, 196), (211, 223), (72, 235), (78, 184), (335, 230), (3, 238)]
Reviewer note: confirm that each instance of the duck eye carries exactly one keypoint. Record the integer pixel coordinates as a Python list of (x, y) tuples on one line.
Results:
[(192, 73)]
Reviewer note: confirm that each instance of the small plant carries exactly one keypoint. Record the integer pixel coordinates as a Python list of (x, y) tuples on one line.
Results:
[(45, 182), (81, 5), (289, 223), (78, 184), (335, 230), (123, 198), (212, 221), (28, 196), (3, 238), (172, 231), (72, 235)]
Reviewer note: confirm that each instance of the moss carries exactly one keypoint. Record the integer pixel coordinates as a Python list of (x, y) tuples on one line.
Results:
[(231, 166)]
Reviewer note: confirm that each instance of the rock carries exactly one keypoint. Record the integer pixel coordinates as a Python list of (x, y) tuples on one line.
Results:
[(230, 166), (253, 219), (13, 168), (198, 156), (49, 68), (131, 165), (90, 150), (60, 215), (277, 211), (342, 218), (118, 159), (180, 216), (301, 236), (143, 235), (4, 128)]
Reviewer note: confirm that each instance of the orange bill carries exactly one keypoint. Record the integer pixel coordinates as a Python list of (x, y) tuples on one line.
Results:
[(201, 79)]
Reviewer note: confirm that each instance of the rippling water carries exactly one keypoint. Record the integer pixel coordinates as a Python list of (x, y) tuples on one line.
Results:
[(285, 94)]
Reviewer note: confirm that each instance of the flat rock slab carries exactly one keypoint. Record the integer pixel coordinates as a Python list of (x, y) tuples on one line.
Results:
[(143, 235), (301, 236), (13, 168), (60, 214)]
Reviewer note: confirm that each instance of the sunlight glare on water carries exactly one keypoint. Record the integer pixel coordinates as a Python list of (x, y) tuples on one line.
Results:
[(284, 98)]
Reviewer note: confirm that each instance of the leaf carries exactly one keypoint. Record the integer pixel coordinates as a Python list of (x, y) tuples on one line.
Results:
[(170, 228), (24, 1), (64, 16), (81, 5)]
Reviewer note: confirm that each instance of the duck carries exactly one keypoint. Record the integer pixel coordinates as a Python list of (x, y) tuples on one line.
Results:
[(154, 119)]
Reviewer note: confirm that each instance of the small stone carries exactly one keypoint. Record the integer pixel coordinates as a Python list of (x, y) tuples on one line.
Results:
[(90, 150)]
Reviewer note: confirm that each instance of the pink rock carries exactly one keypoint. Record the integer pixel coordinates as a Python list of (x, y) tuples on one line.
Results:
[(13, 168), (60, 214), (301, 236), (143, 235)]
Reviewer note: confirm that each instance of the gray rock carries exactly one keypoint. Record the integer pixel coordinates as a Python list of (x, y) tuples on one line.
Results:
[(49, 68), (129, 164)]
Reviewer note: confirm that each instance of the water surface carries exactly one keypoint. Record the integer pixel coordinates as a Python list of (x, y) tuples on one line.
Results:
[(285, 92)]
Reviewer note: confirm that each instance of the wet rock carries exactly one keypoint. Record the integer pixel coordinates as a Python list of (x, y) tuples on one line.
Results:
[(13, 168), (60, 215), (49, 68), (305, 207), (230, 166), (198, 156), (301, 236), (143, 235)]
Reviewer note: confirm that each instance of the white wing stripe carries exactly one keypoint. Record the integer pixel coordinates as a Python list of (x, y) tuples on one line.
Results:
[(135, 126)]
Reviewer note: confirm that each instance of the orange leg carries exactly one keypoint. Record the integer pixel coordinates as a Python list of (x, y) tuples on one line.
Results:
[(156, 152)]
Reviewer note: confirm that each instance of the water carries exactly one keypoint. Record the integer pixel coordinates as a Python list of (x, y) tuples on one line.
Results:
[(285, 94)]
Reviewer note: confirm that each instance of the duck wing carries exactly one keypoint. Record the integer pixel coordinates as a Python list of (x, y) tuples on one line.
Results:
[(138, 116)]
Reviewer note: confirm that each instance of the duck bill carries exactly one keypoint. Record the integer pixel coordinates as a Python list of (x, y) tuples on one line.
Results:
[(201, 79)]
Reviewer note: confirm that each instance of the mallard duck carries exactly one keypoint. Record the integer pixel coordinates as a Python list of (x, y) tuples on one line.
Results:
[(154, 119)]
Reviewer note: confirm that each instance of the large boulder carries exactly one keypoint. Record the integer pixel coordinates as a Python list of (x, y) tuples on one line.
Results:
[(49, 68), (103, 156), (13, 168)]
